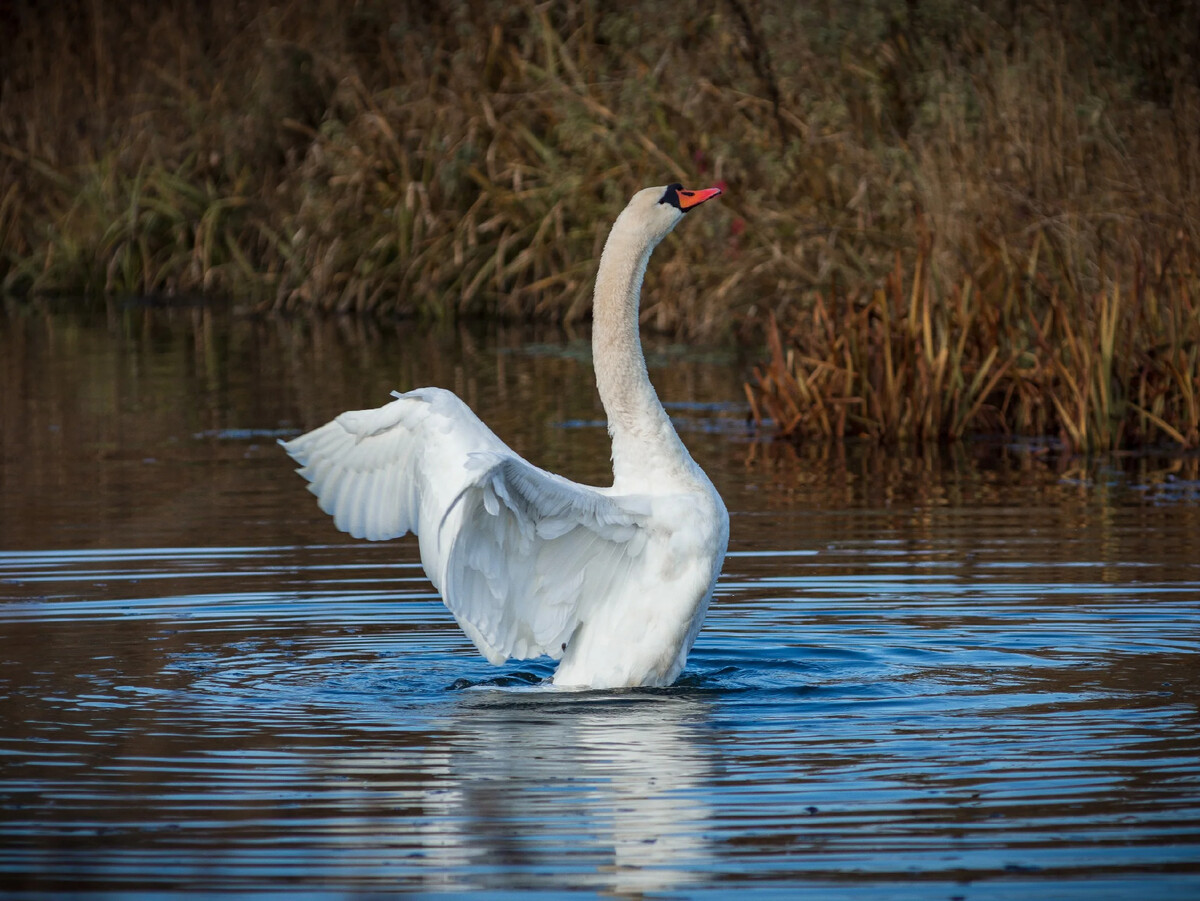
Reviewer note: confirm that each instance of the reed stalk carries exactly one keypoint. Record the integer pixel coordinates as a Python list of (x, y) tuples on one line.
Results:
[(962, 217), (1093, 370)]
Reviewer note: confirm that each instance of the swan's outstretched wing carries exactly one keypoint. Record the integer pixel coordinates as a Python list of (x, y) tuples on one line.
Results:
[(534, 554), (519, 555), (385, 472)]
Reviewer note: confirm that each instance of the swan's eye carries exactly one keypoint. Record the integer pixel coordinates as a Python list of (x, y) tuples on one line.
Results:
[(671, 196)]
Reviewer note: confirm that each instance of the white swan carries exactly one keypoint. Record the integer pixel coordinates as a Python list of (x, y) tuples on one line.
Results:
[(614, 581)]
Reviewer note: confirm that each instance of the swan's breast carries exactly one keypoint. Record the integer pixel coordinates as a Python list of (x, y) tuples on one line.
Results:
[(642, 636)]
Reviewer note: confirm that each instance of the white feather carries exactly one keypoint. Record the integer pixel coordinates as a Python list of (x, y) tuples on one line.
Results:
[(614, 581)]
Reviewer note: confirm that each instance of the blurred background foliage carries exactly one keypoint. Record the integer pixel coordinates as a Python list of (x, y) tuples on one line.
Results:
[(949, 216)]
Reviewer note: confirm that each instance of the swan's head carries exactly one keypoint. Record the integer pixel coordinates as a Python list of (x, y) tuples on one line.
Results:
[(655, 211)]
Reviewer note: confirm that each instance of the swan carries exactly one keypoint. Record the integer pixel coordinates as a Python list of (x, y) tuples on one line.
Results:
[(612, 582)]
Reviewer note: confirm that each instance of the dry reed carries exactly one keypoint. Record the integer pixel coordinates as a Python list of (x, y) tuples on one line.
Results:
[(908, 362), (965, 217)]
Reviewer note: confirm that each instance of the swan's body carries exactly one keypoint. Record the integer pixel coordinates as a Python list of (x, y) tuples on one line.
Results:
[(614, 581)]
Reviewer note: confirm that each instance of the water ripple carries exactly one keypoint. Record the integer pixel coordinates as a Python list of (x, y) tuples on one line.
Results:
[(220, 718)]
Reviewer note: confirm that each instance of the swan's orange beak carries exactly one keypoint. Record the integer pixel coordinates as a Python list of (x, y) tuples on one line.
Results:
[(689, 199)]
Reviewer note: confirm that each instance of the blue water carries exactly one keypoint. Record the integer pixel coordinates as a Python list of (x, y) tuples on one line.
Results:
[(970, 674)]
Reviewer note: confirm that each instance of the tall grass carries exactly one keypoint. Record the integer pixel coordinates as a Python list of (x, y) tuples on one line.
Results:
[(1035, 169), (911, 362), (413, 159)]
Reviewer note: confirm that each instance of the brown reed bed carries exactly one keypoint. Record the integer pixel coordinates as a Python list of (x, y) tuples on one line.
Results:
[(908, 362), (1034, 168), (463, 159)]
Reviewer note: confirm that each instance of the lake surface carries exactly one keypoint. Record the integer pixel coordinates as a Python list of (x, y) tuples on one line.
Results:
[(965, 674)]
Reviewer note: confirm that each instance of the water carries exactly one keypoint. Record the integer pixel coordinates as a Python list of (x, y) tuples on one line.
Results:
[(969, 674)]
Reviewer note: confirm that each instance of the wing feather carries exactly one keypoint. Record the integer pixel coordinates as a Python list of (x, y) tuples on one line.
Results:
[(519, 555)]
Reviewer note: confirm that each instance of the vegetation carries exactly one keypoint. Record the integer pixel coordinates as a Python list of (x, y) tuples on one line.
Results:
[(951, 217), (910, 362)]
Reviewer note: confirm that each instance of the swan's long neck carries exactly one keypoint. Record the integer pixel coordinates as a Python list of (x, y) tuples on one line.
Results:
[(646, 448)]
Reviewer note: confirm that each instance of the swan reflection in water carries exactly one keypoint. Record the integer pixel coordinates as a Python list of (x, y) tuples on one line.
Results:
[(514, 787)]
